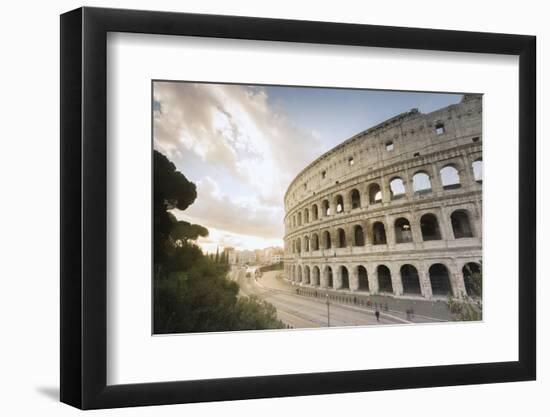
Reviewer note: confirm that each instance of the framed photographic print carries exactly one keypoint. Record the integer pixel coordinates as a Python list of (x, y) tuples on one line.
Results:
[(258, 207)]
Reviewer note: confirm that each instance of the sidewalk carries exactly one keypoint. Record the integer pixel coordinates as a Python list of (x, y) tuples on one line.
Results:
[(424, 311)]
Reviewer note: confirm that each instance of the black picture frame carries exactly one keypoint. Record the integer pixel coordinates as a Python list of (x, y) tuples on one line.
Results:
[(84, 193)]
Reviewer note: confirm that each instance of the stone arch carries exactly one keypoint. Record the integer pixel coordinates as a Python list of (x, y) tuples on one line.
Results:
[(378, 234), (470, 272), (329, 279), (315, 242), (341, 235), (384, 279), (315, 212), (358, 235), (355, 198), (397, 188), (450, 177), (315, 276), (325, 205), (363, 278), (299, 218), (410, 279), (375, 193), (306, 244), (306, 275), (460, 221), (344, 278), (440, 280), (430, 227), (306, 215), (327, 244), (403, 231), (298, 245), (421, 182), (339, 203)]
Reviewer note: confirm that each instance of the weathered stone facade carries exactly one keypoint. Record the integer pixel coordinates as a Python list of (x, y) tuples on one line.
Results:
[(395, 209)]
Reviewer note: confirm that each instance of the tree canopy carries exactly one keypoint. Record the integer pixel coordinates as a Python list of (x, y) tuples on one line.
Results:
[(191, 290)]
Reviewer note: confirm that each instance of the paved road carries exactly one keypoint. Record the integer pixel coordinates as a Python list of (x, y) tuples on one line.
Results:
[(300, 311)]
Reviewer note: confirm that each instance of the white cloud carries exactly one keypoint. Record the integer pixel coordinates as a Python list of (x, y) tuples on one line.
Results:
[(236, 128)]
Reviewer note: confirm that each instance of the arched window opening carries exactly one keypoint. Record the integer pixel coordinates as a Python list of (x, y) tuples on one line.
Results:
[(315, 212), (339, 204), (326, 240), (355, 199), (359, 237), (326, 208), (461, 224), (328, 277), (449, 177), (306, 216), (341, 238), (306, 275), (298, 246), (306, 244), (477, 168), (293, 246), (384, 279), (403, 232), (471, 272), (397, 188), (299, 278), (344, 275), (315, 242), (375, 194), (429, 227), (410, 280), (315, 279), (439, 280), (363, 278), (439, 128), (421, 183), (378, 234), (299, 219)]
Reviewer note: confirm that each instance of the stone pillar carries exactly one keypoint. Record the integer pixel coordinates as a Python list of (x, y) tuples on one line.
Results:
[(445, 223), (466, 172), (457, 281), (396, 279), (425, 284), (353, 277), (390, 230), (416, 229), (349, 235), (407, 183), (336, 277), (323, 276), (443, 227), (435, 179), (373, 278), (332, 205), (347, 201)]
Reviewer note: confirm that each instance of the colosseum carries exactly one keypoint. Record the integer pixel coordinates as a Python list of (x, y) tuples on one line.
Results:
[(394, 210)]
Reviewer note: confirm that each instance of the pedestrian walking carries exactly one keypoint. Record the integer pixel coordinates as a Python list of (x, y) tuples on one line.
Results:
[(377, 314)]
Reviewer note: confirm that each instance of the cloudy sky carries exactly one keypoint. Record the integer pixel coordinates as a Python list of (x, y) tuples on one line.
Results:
[(243, 144)]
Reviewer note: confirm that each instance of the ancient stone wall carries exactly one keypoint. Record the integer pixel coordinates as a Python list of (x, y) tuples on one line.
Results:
[(395, 209)]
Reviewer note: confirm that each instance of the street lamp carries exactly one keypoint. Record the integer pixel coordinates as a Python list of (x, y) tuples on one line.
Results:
[(328, 309)]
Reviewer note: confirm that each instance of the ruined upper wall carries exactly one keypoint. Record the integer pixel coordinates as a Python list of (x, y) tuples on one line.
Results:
[(399, 138)]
